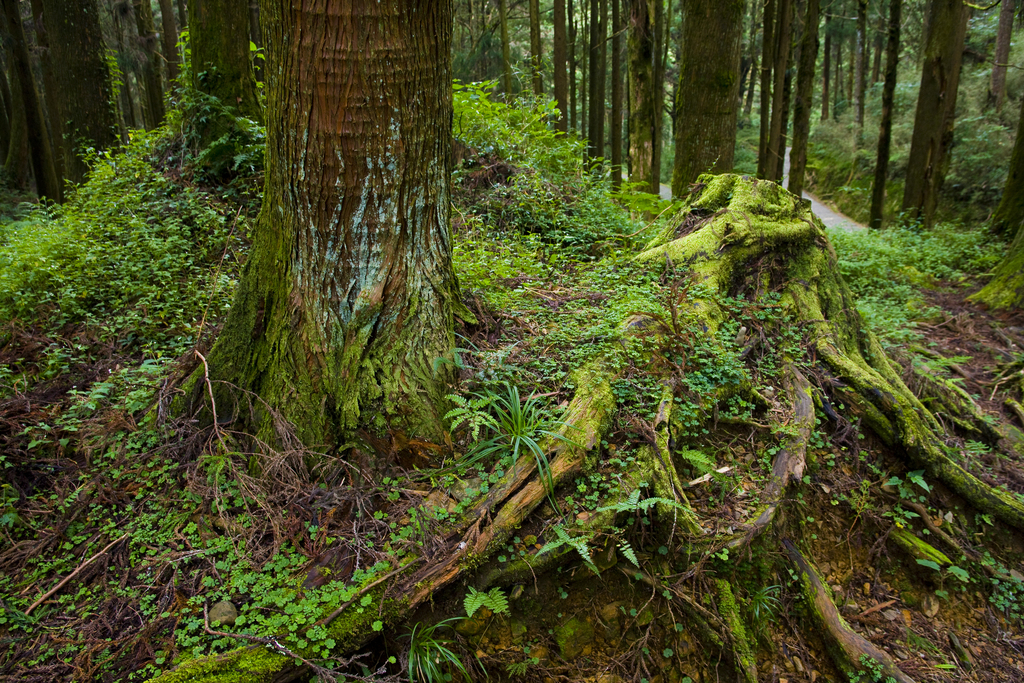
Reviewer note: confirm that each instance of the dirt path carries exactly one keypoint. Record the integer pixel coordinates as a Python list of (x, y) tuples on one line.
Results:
[(831, 218)]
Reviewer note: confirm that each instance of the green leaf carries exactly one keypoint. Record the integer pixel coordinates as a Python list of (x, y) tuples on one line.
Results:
[(378, 625), (929, 564)]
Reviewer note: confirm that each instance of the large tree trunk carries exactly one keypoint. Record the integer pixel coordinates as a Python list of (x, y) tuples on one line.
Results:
[(219, 37), (892, 56), (997, 87), (804, 104), (860, 62), (169, 34), (51, 96), (86, 93), (936, 110), (1009, 216), (826, 65), (536, 63), (783, 52), (40, 153), (767, 64), (560, 79), (5, 118), (152, 83), (642, 113), (346, 302), (708, 94), (615, 136), (16, 163)]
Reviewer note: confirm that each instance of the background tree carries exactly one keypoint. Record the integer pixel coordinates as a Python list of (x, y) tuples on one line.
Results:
[(152, 82), (936, 109), (826, 67), (506, 55), (1004, 33), (709, 90), (860, 60), (169, 35), (598, 57), (783, 53), (346, 300), (642, 112), (40, 153), (536, 58), (560, 53), (892, 58), (767, 65), (86, 102), (615, 135), (221, 67), (804, 99)]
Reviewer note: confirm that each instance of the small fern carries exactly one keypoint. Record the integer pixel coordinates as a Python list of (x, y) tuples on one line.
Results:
[(698, 460), (473, 412), (493, 600), (634, 504), (579, 543), (628, 553)]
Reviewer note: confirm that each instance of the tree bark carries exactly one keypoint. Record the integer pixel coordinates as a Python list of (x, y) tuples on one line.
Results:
[(615, 136), (572, 68), (40, 153), (860, 62), (536, 63), (804, 95), (642, 114), (87, 107), (169, 34), (219, 36), (152, 83), (876, 53), (560, 78), (936, 110), (708, 94), (255, 35), (767, 64), (755, 50), (506, 58), (16, 163), (182, 13), (658, 91), (892, 56), (51, 96), (826, 66), (595, 121), (5, 119), (997, 88), (347, 299), (783, 52)]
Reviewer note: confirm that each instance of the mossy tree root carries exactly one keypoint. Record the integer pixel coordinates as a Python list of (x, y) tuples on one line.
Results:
[(849, 650)]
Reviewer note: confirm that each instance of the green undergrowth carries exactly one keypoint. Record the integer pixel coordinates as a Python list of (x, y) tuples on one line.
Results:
[(888, 269)]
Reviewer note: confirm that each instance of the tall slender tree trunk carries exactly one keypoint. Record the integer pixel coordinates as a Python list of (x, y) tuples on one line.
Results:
[(755, 50), (572, 68), (536, 58), (936, 110), (51, 96), (615, 136), (767, 64), (16, 163), (86, 104), (783, 53), (595, 123), (860, 61), (256, 36), (837, 86), (169, 34), (642, 126), (892, 56), (876, 53), (5, 119), (221, 67), (997, 87), (804, 99), (182, 13), (506, 57), (347, 299), (659, 90), (826, 66), (585, 70), (560, 79), (709, 90), (152, 83), (40, 152)]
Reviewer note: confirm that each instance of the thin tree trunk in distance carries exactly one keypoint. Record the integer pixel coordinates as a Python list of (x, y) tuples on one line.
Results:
[(641, 54), (51, 96), (659, 91), (40, 153), (560, 76), (616, 122), (936, 110), (221, 67), (536, 63), (860, 61), (170, 37), (585, 70), (767, 64), (837, 85), (255, 35), (183, 13), (86, 92), (572, 68), (506, 57), (826, 65), (876, 53), (595, 122), (602, 81), (892, 55), (997, 87), (152, 82), (709, 90), (5, 119), (16, 163), (347, 298), (783, 52), (755, 50), (804, 104)]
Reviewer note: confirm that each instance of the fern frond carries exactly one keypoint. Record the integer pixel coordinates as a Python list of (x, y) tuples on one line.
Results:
[(627, 552)]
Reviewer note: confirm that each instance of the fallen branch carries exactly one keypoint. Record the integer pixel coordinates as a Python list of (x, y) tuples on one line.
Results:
[(46, 596)]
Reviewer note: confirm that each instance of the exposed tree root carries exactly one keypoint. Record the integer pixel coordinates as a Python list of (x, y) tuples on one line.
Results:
[(848, 648)]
